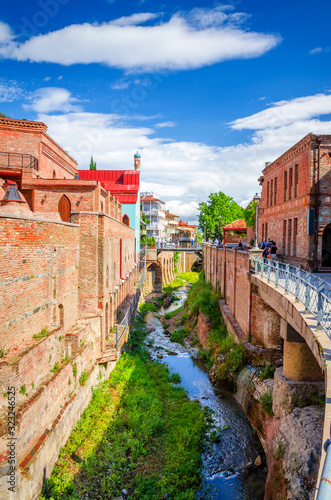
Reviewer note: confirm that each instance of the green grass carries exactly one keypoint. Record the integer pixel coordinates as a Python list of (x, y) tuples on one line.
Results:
[(44, 332), (266, 402), (173, 313), (140, 432), (179, 335), (83, 378), (147, 307), (190, 277), (268, 372)]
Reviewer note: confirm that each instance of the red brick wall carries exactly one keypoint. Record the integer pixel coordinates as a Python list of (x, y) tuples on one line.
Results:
[(304, 155), (39, 273), (17, 136)]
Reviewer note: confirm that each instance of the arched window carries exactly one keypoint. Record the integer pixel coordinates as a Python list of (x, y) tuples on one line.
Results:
[(64, 208), (126, 220), (54, 174)]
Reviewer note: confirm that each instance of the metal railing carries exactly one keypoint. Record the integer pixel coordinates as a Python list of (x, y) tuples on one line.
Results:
[(18, 160), (179, 244), (124, 324), (313, 292)]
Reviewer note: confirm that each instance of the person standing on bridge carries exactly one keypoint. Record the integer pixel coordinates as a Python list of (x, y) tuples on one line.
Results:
[(273, 251)]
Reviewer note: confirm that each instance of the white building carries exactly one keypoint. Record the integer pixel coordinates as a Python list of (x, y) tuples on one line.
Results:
[(154, 210)]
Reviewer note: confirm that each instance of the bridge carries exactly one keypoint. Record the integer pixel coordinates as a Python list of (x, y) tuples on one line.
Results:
[(281, 307)]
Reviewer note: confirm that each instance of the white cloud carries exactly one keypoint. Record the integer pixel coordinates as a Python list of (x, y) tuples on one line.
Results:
[(134, 20), (318, 50), (10, 91), (183, 173), (286, 112), (120, 84), (165, 124), (47, 78), (49, 99), (178, 44), (5, 33)]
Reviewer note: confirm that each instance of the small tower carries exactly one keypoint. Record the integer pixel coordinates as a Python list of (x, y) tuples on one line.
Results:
[(137, 160)]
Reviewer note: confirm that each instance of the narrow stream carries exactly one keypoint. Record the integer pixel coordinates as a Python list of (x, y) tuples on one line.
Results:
[(227, 466)]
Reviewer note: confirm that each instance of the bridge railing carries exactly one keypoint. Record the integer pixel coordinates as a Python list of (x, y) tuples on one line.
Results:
[(313, 292), (181, 244)]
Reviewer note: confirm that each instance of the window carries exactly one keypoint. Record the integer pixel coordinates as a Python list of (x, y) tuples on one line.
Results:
[(268, 194), (296, 180), (290, 183), (271, 191), (285, 185), (289, 236), (295, 232), (275, 191), (126, 220), (266, 230), (263, 239), (284, 237)]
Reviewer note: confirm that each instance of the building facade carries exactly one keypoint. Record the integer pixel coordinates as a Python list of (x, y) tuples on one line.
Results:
[(154, 210), (68, 275), (295, 205)]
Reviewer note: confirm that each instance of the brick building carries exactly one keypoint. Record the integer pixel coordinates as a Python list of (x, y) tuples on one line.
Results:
[(295, 205), (67, 275)]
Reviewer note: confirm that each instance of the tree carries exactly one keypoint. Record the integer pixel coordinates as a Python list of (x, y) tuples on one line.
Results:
[(249, 214), (93, 165), (2, 115), (218, 204)]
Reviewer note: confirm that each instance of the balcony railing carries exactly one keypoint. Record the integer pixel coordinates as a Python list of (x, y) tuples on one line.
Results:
[(18, 160)]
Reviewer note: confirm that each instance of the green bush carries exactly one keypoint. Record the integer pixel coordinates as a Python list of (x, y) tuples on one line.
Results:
[(83, 378), (266, 402), (147, 307), (44, 332), (173, 313), (268, 372), (179, 336)]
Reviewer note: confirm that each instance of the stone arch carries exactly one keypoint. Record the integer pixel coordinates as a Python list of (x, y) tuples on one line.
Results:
[(64, 208), (326, 246), (155, 276), (126, 220)]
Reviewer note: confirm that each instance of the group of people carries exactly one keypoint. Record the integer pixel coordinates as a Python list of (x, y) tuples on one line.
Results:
[(269, 249)]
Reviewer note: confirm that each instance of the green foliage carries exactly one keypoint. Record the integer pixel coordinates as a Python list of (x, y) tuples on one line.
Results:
[(190, 277), (147, 307), (268, 372), (151, 241), (44, 332), (2, 115), (176, 260), (215, 435), (233, 359), (3, 352), (280, 450), (55, 368), (174, 378), (140, 432), (83, 378), (173, 313), (93, 165), (218, 204), (179, 335), (266, 402), (23, 390), (74, 369), (249, 214)]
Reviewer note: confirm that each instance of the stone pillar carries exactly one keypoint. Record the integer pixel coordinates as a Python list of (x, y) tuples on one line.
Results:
[(299, 361), (265, 324)]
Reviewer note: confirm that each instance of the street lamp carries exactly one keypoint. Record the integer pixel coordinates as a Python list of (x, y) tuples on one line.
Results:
[(219, 228), (256, 198)]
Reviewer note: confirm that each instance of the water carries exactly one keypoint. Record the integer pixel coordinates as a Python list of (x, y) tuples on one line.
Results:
[(225, 464)]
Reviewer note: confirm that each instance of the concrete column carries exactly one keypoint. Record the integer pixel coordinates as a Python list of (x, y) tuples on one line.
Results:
[(299, 362)]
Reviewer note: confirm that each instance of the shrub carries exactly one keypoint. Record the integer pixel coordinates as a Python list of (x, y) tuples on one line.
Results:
[(82, 379), (266, 402), (268, 372), (55, 367), (23, 390), (147, 307), (174, 378), (179, 335), (44, 332)]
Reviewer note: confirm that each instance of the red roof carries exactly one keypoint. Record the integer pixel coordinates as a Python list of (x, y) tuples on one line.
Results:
[(237, 225), (151, 199), (123, 184)]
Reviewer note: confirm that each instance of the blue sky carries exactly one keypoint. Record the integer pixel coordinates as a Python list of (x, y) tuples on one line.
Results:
[(206, 91)]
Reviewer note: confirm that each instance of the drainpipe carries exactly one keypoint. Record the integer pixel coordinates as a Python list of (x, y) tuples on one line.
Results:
[(318, 140)]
